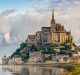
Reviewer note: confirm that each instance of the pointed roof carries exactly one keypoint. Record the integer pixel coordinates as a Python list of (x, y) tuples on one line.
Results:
[(53, 20), (52, 14)]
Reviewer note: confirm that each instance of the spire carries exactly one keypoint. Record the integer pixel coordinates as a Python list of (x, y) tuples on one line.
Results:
[(52, 14), (53, 20)]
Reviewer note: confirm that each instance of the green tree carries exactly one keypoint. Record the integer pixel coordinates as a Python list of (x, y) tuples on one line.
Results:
[(34, 48), (17, 52), (68, 40), (68, 47), (50, 47), (22, 45), (71, 68)]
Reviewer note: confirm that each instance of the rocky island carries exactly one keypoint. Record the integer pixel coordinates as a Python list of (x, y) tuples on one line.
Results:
[(50, 45)]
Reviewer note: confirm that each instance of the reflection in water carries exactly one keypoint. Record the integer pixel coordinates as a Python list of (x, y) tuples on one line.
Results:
[(27, 70)]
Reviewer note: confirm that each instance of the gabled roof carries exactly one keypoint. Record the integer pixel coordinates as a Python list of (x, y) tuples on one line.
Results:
[(45, 29)]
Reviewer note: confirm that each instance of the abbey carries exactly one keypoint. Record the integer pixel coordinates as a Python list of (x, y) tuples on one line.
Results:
[(53, 34)]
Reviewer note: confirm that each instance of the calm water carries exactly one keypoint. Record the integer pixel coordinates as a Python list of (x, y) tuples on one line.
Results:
[(27, 70)]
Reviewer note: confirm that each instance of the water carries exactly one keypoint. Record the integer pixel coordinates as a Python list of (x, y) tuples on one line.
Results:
[(28, 70)]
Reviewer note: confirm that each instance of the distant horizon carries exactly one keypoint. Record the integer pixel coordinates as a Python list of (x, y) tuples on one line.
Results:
[(21, 18)]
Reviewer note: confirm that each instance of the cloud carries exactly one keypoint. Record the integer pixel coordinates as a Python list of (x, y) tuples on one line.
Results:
[(26, 24), (7, 37), (5, 28), (8, 12), (15, 28)]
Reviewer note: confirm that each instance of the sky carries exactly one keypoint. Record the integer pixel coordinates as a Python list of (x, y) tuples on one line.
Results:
[(20, 18)]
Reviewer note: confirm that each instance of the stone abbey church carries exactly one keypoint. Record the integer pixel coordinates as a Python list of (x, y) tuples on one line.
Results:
[(53, 34)]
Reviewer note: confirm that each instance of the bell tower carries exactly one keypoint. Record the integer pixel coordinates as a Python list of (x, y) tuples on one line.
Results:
[(53, 20), (53, 23), (53, 28)]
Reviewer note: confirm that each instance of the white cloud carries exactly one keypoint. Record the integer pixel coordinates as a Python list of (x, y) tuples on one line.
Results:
[(5, 28), (7, 37), (7, 12), (18, 25), (28, 23)]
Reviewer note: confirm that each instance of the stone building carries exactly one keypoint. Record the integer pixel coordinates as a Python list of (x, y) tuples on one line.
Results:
[(53, 34), (36, 57), (17, 59), (31, 40), (61, 58), (58, 33), (38, 37), (46, 35), (5, 60)]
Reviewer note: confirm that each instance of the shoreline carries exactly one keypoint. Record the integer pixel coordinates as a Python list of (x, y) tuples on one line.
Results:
[(69, 67), (44, 64)]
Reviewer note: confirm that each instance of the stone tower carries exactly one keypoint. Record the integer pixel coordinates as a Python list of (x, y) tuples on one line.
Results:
[(58, 32), (53, 23), (53, 28), (53, 20)]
